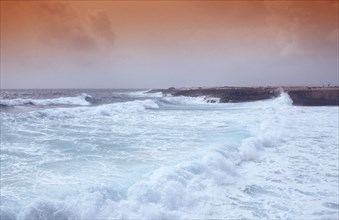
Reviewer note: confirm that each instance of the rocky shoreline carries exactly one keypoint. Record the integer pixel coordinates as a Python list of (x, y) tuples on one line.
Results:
[(305, 96)]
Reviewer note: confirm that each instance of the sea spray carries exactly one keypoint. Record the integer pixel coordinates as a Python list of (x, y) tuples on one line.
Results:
[(170, 158), (79, 100)]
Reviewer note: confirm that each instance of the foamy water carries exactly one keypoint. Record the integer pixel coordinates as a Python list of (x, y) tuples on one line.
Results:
[(152, 157)]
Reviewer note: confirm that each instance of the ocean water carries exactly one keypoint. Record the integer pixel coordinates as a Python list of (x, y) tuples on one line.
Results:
[(127, 154)]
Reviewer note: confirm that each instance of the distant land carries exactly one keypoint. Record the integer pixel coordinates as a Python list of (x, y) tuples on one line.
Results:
[(300, 95)]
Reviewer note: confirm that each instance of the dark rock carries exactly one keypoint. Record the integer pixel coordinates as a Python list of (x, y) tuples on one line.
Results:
[(230, 94), (90, 99), (308, 96), (317, 97)]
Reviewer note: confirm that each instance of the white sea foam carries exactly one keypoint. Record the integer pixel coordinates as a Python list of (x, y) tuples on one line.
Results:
[(98, 111), (142, 94), (184, 100), (79, 100), (264, 159)]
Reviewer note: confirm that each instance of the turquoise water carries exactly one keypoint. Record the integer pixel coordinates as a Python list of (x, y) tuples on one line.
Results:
[(133, 155)]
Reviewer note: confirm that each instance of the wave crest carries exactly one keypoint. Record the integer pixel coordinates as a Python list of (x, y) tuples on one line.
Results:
[(98, 111), (83, 99)]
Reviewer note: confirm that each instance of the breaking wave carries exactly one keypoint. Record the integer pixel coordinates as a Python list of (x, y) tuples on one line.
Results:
[(211, 186), (183, 100), (98, 111), (84, 99)]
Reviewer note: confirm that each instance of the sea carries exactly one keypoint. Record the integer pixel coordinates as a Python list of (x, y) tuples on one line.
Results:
[(130, 154)]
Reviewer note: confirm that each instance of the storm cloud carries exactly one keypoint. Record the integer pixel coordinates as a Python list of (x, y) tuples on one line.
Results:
[(110, 44)]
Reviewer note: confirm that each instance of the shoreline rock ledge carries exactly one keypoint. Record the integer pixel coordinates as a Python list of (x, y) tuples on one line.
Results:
[(300, 95)]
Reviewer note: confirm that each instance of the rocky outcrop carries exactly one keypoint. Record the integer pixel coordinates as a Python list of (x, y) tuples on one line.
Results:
[(315, 97), (231, 94), (307, 96)]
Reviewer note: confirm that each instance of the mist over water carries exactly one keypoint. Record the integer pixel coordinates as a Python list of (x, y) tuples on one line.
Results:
[(118, 154)]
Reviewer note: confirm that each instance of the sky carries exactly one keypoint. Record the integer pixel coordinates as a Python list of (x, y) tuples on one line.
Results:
[(158, 44)]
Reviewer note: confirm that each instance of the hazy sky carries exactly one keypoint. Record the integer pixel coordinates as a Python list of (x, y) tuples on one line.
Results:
[(156, 44)]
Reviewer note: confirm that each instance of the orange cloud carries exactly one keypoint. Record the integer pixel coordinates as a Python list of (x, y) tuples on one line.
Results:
[(129, 37), (90, 25)]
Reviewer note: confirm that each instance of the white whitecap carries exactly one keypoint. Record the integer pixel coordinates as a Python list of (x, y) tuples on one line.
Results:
[(78, 100)]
